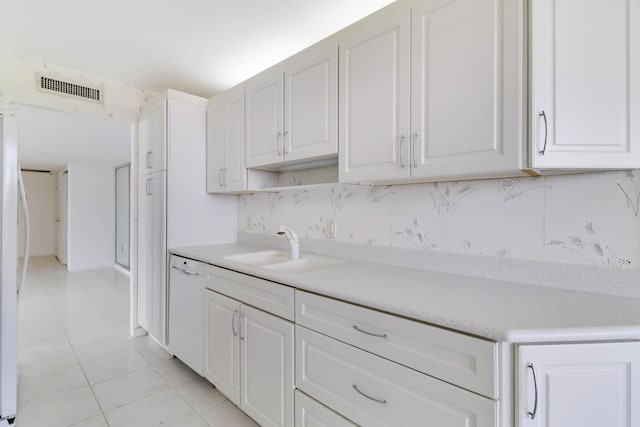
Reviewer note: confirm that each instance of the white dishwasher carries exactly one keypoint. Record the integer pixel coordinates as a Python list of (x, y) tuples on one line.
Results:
[(186, 334)]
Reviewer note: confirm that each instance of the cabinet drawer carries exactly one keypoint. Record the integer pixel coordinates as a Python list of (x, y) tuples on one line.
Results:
[(263, 294), (466, 361), (310, 413), (373, 391)]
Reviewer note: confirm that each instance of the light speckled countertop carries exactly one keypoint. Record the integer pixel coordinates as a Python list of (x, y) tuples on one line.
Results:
[(498, 310)]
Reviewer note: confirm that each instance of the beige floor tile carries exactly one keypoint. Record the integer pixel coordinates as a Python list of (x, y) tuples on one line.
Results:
[(97, 421), (109, 359), (150, 349), (128, 388), (192, 421), (61, 410), (175, 372), (200, 394), (165, 408), (226, 414)]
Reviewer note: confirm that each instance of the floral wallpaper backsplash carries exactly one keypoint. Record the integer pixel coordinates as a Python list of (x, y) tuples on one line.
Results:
[(584, 218)]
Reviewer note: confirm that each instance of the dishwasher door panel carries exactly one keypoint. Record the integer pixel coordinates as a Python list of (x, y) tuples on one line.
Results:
[(186, 312)]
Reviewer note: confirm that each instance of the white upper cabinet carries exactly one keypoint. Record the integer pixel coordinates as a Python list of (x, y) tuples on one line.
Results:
[(152, 138), (311, 105), (585, 84), (226, 142), (375, 102), (264, 119), (466, 89), (291, 113), (434, 94)]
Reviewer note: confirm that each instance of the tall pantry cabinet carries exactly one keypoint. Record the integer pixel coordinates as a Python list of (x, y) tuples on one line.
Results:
[(174, 208)]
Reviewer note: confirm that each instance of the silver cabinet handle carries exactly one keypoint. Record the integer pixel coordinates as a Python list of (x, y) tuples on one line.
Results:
[(382, 401), (220, 177), (233, 323), (546, 131), (413, 149), (147, 186), (402, 138), (147, 160), (284, 145), (369, 333), (242, 316), (278, 135), (531, 414)]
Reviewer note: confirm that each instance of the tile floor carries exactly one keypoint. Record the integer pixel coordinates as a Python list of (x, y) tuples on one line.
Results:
[(77, 365)]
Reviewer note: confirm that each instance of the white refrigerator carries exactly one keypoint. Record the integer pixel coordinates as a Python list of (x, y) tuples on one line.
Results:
[(8, 262)]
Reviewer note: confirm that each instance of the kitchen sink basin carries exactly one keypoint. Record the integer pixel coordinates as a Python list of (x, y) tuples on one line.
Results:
[(303, 265), (260, 258), (281, 261)]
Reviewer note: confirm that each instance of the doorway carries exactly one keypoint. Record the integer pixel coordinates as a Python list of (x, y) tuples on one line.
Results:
[(41, 188), (63, 198), (123, 189)]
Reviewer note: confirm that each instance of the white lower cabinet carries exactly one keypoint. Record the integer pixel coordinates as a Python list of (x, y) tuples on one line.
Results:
[(578, 385), (249, 357), (344, 365), (222, 354), (311, 413), (373, 391)]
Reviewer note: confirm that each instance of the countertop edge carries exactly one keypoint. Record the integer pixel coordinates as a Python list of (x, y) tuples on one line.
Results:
[(213, 255)]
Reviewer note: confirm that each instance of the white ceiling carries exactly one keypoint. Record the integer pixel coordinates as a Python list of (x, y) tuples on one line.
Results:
[(50, 140), (201, 47), (197, 46)]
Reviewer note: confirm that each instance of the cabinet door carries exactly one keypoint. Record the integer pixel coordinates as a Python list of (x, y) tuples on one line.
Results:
[(152, 256), (311, 106), (143, 144), (144, 256), (216, 145), (374, 103), (157, 215), (225, 143), (585, 385), (264, 120), (585, 84), (222, 344), (235, 173), (466, 88), (266, 368), (152, 145)]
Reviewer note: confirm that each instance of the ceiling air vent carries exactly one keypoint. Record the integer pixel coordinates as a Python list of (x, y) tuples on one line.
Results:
[(70, 89)]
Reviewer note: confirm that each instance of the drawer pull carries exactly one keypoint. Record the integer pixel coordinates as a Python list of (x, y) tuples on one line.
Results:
[(369, 333), (383, 401)]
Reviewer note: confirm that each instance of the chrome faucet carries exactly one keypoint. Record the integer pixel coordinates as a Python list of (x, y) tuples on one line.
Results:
[(293, 240)]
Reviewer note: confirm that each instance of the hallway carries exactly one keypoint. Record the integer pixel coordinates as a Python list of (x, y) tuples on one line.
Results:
[(77, 365)]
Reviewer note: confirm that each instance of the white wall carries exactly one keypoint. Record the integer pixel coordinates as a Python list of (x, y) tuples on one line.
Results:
[(591, 219), (17, 85), (42, 197), (91, 219)]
